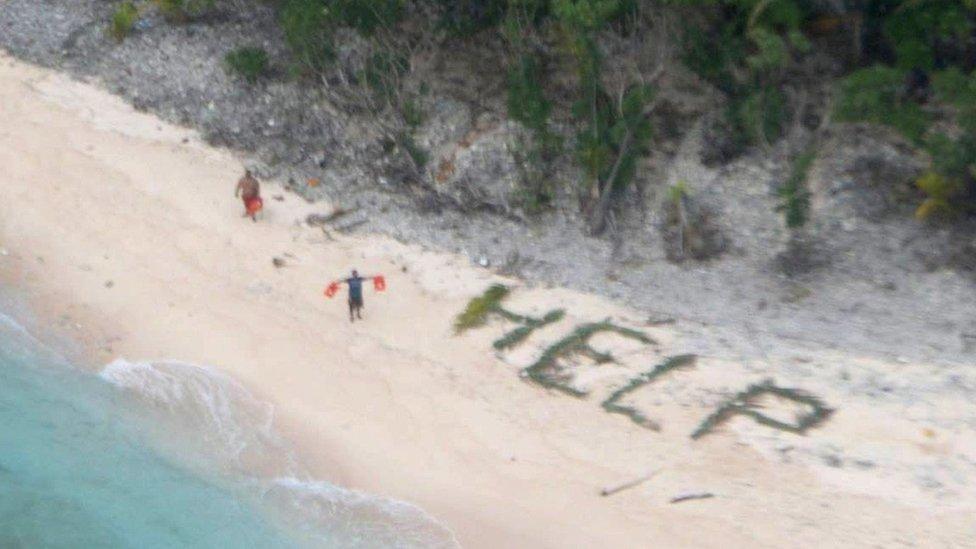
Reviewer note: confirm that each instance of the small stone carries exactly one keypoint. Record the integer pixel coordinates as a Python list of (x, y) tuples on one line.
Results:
[(483, 261), (832, 461), (109, 284)]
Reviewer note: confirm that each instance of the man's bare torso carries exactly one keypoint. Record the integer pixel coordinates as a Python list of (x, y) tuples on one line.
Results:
[(248, 187)]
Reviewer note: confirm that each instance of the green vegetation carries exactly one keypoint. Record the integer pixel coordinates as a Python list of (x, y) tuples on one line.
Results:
[(580, 78), (249, 63), (929, 39), (875, 95), (744, 404), (520, 334), (123, 20), (793, 194), (677, 194), (489, 303), (544, 370), (181, 11), (744, 50), (375, 84), (671, 364), (475, 315), (308, 29), (918, 28)]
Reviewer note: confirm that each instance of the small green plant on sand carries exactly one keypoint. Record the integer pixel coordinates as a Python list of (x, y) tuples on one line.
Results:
[(744, 404), (249, 63), (545, 369), (123, 20), (671, 364)]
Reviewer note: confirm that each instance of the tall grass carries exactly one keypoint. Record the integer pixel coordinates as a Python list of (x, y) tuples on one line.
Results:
[(123, 20)]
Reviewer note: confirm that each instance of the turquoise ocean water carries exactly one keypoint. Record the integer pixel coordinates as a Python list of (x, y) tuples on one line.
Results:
[(165, 454)]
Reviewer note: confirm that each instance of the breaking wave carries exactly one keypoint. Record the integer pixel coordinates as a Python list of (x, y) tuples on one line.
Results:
[(211, 422)]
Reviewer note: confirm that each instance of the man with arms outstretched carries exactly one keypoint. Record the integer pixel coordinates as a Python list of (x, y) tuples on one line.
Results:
[(355, 283)]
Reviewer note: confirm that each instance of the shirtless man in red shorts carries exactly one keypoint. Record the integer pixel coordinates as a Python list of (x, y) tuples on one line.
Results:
[(249, 190)]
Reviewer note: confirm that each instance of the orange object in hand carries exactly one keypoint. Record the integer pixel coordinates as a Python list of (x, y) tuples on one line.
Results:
[(379, 283), (332, 289), (254, 205)]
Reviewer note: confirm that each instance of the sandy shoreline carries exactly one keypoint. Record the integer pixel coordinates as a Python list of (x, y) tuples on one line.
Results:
[(122, 231)]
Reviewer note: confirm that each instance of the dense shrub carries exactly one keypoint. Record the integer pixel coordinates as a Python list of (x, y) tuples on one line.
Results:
[(309, 32), (123, 20), (751, 50), (875, 95), (743, 50), (918, 29), (249, 63)]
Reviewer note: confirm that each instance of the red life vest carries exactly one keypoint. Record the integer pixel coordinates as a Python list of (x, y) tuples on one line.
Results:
[(331, 289)]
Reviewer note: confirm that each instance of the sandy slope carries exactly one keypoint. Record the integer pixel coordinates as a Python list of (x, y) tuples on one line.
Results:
[(93, 192)]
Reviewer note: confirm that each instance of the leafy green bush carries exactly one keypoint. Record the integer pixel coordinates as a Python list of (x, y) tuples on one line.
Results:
[(181, 11), (874, 94), (310, 26), (915, 27), (123, 20), (309, 33), (743, 50), (950, 185), (712, 56), (250, 63)]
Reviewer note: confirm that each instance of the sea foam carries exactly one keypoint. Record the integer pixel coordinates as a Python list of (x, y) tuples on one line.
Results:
[(212, 422)]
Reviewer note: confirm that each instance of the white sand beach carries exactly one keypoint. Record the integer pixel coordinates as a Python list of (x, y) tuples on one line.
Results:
[(123, 233)]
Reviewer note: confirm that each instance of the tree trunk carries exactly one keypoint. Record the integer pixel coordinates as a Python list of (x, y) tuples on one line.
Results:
[(598, 219)]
